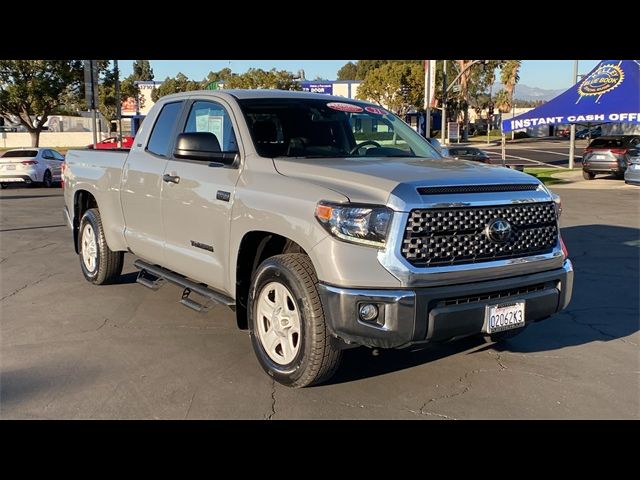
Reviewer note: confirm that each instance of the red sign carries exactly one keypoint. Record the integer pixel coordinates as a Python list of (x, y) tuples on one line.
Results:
[(129, 106), (345, 107), (376, 110)]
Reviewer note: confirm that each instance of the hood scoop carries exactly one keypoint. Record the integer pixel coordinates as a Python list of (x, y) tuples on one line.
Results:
[(509, 187)]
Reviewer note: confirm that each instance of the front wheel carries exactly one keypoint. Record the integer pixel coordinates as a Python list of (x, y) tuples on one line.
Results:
[(100, 265), (588, 175), (4, 185), (287, 324)]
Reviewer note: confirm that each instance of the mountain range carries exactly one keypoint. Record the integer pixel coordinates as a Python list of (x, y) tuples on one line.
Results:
[(525, 92)]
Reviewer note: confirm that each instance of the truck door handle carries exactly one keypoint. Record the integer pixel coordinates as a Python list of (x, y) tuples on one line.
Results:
[(171, 178)]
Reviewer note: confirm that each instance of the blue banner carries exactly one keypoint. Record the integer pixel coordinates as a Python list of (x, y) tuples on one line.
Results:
[(610, 93), (315, 87)]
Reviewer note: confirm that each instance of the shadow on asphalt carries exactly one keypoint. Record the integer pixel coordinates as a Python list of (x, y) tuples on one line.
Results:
[(605, 306), (21, 384)]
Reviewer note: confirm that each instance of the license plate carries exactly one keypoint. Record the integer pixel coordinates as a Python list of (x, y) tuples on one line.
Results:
[(9, 167), (598, 157), (506, 316)]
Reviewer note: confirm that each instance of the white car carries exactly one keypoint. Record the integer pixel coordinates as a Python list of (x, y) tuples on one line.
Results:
[(31, 166)]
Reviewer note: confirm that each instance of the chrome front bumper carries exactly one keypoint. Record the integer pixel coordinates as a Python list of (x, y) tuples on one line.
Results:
[(418, 315)]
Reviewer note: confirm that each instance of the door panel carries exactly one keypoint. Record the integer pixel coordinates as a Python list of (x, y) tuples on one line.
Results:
[(196, 211), (142, 185)]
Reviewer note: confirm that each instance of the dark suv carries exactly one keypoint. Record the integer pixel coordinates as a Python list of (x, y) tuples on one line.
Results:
[(609, 155)]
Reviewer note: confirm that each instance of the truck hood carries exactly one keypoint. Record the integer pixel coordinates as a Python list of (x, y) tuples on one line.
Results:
[(371, 180)]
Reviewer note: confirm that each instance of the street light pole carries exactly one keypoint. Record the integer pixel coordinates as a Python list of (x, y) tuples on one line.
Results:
[(443, 118), (572, 135)]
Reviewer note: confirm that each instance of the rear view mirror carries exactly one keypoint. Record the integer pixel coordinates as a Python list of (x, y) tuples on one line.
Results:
[(202, 146)]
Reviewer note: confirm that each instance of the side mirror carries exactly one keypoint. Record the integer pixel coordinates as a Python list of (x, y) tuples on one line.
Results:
[(202, 146)]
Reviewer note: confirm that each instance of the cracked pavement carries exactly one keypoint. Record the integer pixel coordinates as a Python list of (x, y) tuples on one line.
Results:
[(71, 350)]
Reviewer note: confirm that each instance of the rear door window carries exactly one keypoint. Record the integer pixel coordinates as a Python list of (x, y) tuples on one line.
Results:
[(164, 128)]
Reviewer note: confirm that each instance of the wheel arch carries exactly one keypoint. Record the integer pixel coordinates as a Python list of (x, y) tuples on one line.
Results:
[(83, 200), (255, 247)]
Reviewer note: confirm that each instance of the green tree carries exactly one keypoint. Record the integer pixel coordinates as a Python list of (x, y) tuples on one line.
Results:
[(142, 70), (258, 78), (107, 100), (180, 83), (219, 76), (31, 90), (395, 85), (349, 71)]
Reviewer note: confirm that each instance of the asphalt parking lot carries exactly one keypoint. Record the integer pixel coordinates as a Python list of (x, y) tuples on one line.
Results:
[(71, 350)]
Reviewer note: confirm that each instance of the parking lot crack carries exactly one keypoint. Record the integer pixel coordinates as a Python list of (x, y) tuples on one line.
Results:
[(186, 415), (273, 400), (31, 284), (498, 358)]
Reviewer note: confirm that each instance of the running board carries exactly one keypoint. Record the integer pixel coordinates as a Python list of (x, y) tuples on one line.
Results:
[(151, 276)]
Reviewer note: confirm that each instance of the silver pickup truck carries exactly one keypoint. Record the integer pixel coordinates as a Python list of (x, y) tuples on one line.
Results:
[(323, 222)]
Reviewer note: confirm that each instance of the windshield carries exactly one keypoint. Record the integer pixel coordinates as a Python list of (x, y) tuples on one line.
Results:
[(20, 154), (317, 128)]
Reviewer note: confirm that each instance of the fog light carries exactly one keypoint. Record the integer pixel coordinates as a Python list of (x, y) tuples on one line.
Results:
[(368, 312)]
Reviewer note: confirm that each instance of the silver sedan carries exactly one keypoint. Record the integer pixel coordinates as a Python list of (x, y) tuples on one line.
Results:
[(632, 174)]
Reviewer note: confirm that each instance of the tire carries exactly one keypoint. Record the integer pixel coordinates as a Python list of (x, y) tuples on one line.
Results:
[(289, 283), (4, 185), (47, 179), (106, 265), (588, 175)]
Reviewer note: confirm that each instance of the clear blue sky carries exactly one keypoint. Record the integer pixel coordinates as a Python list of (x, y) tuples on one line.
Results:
[(548, 74)]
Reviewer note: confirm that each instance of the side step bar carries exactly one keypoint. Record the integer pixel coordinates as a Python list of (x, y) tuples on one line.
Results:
[(151, 276)]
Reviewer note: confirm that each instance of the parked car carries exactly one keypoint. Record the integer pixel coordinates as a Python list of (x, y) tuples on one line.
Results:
[(31, 166), (586, 133), (317, 240), (609, 155), (632, 175), (466, 153), (112, 143)]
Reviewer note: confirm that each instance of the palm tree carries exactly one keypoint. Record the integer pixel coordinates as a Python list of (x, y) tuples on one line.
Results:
[(509, 77), (503, 101)]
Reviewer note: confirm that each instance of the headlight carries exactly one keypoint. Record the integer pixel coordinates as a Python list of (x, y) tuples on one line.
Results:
[(362, 224)]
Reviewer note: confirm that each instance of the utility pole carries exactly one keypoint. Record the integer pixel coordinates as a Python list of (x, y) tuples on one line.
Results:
[(93, 104), (427, 97), (572, 135), (118, 104), (443, 118)]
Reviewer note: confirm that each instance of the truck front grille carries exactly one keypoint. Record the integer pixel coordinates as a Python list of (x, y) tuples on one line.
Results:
[(457, 236)]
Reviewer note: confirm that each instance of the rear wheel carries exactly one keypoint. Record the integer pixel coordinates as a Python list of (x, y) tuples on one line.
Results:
[(99, 264), (287, 324), (588, 175), (4, 185), (47, 180)]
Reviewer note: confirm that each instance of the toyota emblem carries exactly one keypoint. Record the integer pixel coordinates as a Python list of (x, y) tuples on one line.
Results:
[(498, 230)]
